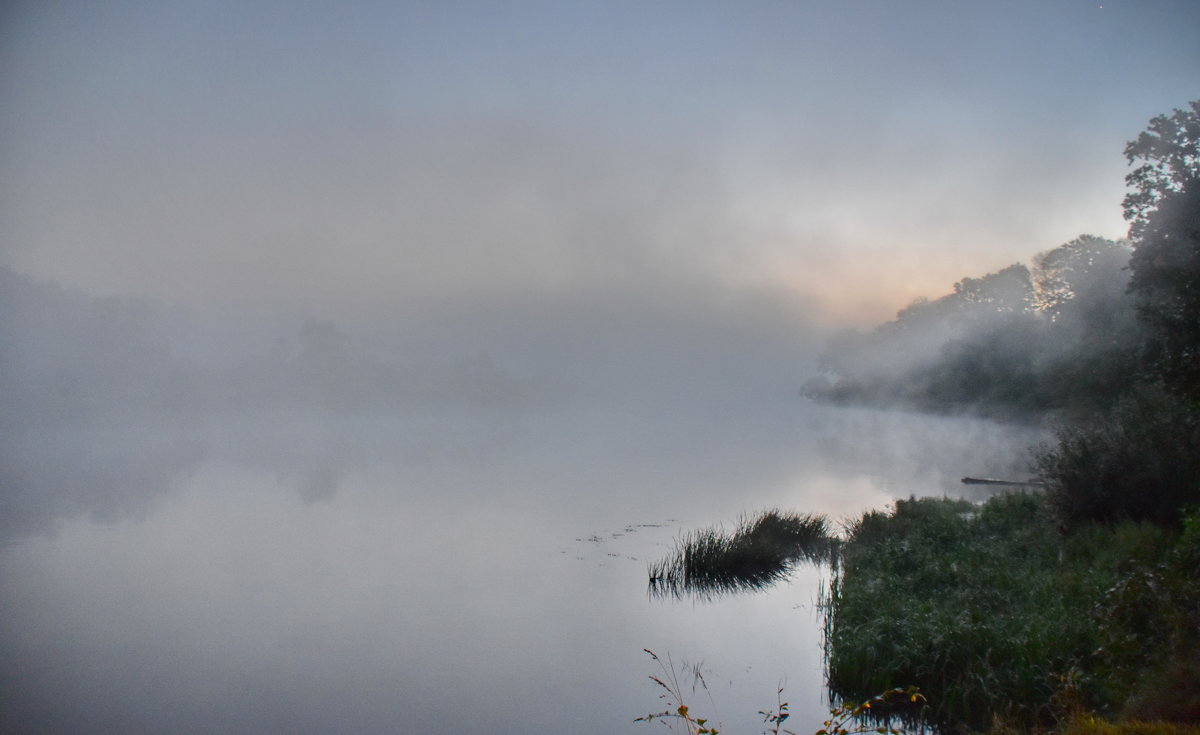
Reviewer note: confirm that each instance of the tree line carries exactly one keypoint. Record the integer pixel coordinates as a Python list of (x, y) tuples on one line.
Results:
[(1100, 337), (1015, 343), (1037, 612)]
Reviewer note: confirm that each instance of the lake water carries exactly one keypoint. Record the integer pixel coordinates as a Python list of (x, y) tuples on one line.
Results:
[(469, 572)]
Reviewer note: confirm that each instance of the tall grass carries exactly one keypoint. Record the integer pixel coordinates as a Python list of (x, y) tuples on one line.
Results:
[(759, 552), (1006, 624), (999, 618)]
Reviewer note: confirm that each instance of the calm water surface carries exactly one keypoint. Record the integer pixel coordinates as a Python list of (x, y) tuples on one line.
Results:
[(474, 573)]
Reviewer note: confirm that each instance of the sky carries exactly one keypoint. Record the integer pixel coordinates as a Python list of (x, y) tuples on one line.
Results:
[(354, 160)]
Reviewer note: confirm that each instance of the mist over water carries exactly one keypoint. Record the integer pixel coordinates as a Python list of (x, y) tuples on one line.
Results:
[(344, 527), (356, 359)]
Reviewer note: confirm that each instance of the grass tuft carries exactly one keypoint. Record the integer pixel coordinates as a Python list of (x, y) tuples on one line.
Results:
[(760, 551)]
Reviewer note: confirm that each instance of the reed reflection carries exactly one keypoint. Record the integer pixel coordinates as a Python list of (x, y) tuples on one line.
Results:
[(760, 551)]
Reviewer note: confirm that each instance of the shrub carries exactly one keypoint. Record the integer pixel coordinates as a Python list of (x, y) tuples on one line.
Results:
[(1140, 462)]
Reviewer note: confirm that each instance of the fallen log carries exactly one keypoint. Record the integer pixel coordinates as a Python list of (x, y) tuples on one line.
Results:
[(1009, 483)]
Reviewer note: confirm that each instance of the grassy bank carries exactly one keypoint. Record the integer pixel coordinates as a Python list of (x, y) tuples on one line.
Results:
[(1002, 621)]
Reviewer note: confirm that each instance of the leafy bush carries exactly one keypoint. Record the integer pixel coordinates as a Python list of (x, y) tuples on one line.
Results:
[(1139, 462)]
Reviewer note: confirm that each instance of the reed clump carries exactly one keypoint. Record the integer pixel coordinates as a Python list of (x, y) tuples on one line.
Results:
[(760, 551)]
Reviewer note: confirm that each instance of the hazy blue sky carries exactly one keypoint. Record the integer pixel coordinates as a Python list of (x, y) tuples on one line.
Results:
[(356, 158)]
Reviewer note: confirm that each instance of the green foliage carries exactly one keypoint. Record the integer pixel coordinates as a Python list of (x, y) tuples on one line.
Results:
[(1139, 462), (924, 597), (1171, 691), (1188, 551), (997, 617)]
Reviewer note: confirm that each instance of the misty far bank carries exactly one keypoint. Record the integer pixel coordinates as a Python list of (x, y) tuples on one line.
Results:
[(107, 399), (302, 555), (1058, 335), (73, 358)]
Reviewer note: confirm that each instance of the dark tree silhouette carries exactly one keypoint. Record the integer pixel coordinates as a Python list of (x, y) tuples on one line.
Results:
[(1168, 153), (1164, 215)]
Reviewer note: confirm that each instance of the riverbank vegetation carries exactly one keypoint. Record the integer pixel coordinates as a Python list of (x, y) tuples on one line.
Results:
[(1000, 619), (1075, 608)]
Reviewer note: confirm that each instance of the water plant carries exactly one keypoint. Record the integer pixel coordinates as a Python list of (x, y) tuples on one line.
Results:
[(672, 692), (760, 551), (874, 716), (1007, 621), (871, 716)]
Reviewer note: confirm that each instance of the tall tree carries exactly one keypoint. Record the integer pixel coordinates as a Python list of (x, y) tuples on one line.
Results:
[(1164, 214), (1086, 273), (1168, 156)]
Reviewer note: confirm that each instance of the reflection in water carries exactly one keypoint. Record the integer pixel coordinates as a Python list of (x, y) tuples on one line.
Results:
[(757, 554), (338, 573)]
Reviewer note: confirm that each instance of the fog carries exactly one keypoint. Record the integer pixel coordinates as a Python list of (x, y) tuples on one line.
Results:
[(438, 523), (91, 382), (354, 359), (375, 160)]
